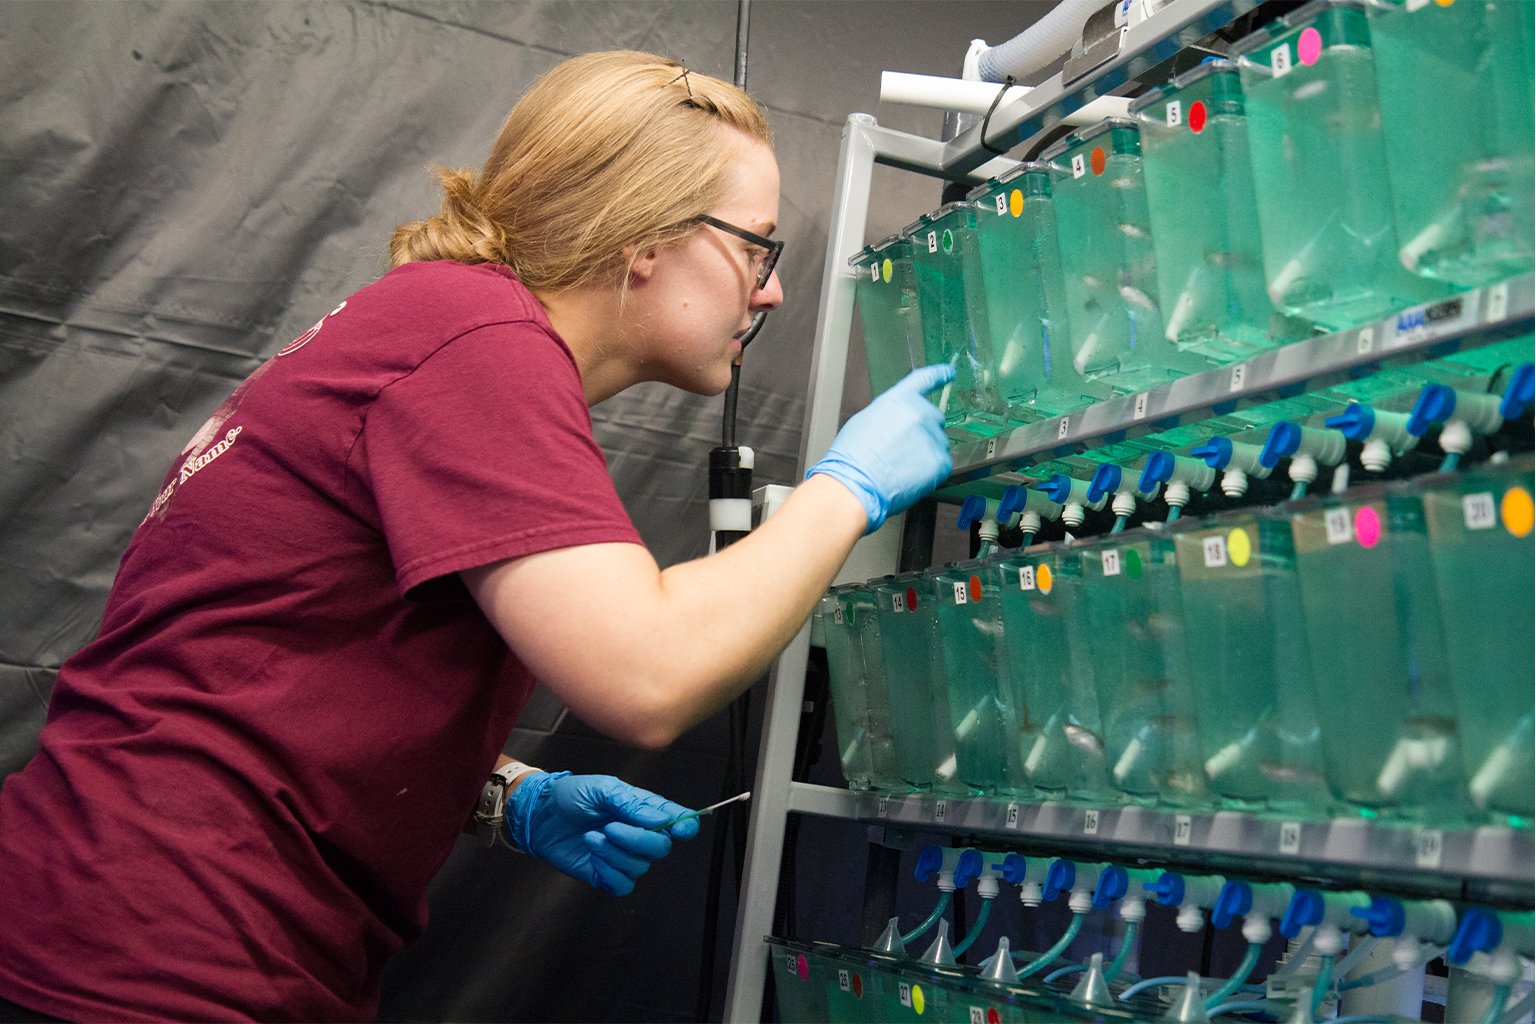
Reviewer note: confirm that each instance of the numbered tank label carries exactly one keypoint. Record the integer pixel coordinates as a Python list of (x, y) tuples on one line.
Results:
[(1111, 563), (1215, 551), (962, 592), (1174, 113), (933, 241), (1338, 526), (905, 991), (1026, 577), (940, 810), (837, 613), (991, 448), (874, 272), (1079, 165), (844, 982), (1002, 204), (883, 807), (1365, 341), (898, 603), (1183, 828), (1478, 511), (1498, 303), (1090, 822), (1290, 837), (1011, 816), (1139, 409), (1428, 848), (1063, 427), (1239, 378), (1280, 60)]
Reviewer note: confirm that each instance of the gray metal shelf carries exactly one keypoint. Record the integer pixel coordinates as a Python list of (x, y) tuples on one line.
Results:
[(1486, 864), (1468, 319)]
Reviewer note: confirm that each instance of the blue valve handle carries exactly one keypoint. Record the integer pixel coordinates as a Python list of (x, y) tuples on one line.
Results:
[(1058, 488), (1306, 909), (1478, 931), (1216, 452), (1014, 867), (1059, 878), (1234, 901), (973, 510), (1159, 470), (1015, 499), (1284, 439), (1520, 393), (1111, 886), (1106, 481), (1385, 915), (1169, 888), (1356, 422), (1437, 403)]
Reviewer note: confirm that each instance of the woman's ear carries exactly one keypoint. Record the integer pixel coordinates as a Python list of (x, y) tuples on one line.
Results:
[(640, 264)]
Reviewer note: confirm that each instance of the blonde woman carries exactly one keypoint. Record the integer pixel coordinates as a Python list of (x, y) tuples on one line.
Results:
[(336, 605)]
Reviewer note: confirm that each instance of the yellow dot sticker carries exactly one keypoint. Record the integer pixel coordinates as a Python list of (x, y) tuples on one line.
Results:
[(1016, 202), (917, 999), (885, 271), (1518, 512), (1445, 3), (1239, 548), (1043, 579)]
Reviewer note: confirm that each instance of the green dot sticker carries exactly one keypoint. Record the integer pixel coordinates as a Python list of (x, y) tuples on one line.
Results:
[(885, 271), (949, 240), (1133, 563)]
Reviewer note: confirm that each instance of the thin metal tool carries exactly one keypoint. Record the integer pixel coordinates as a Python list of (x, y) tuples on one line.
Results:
[(700, 813)]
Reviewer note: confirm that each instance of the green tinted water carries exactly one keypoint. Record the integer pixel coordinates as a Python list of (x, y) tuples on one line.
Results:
[(1133, 629), (1026, 300), (1481, 544), (860, 703), (1259, 730), (1107, 262), (1456, 113), (1204, 219), (1378, 655), (924, 741), (886, 290), (980, 711), (1319, 172), (946, 262), (1058, 736)]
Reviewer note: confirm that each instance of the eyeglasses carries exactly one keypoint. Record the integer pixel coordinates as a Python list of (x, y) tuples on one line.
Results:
[(773, 248)]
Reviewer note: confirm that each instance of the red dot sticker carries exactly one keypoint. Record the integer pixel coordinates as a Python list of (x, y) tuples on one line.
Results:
[(1096, 160), (1367, 527), (1309, 46), (802, 968), (993, 1017), (1197, 117), (911, 600), (858, 987), (975, 589)]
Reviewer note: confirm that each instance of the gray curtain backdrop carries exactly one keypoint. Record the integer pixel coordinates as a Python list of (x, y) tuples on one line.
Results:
[(185, 186)]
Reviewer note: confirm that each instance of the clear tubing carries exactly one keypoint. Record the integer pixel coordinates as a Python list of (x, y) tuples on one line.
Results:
[(1521, 1010), (1450, 462), (1243, 1006), (1323, 984), (975, 932), (1126, 945), (1062, 972), (1044, 959), (1355, 955), (1119, 525), (1496, 1004), (1299, 491), (1239, 977), (1146, 983), (1173, 512), (933, 918), (1028, 539), (1388, 973)]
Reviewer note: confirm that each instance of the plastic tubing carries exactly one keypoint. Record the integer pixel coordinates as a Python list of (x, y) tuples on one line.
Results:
[(1304, 951), (1299, 490), (1044, 959), (1355, 955), (1520, 1010), (975, 932), (933, 918), (1323, 984), (1239, 977), (1244, 1006), (1062, 972), (1450, 462), (1119, 525), (1388, 973), (1496, 1004), (1126, 945), (1146, 983), (1173, 512), (1034, 48)]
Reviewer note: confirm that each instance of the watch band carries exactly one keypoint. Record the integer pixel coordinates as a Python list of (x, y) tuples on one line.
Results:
[(490, 811)]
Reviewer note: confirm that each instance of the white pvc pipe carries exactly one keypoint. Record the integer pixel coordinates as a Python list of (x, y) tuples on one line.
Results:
[(1040, 44), (977, 97)]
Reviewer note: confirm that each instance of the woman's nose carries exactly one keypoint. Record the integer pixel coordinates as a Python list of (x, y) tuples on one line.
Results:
[(770, 296)]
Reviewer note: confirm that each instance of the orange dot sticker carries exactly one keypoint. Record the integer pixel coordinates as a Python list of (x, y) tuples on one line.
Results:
[(1445, 3), (1197, 117), (1097, 160), (1043, 579), (1518, 512), (975, 589), (1016, 202), (885, 271), (1239, 547)]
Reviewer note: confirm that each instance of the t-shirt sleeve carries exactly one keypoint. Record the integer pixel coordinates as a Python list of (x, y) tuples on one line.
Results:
[(485, 452)]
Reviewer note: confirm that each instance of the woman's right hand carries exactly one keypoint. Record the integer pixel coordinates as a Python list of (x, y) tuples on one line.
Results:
[(893, 451)]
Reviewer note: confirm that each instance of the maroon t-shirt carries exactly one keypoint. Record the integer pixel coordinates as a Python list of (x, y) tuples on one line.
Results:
[(247, 780)]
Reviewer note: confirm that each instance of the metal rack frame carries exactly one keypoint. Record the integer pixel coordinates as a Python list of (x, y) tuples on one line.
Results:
[(1485, 863)]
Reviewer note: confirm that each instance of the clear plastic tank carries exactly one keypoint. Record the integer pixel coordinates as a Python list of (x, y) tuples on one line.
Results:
[(920, 722), (888, 312), (861, 706), (1319, 169), (981, 713), (1456, 113)]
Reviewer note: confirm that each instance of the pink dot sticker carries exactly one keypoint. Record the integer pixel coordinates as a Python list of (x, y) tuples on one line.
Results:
[(802, 968), (1309, 46), (1367, 527)]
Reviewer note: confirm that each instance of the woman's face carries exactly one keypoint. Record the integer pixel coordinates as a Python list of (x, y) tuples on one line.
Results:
[(702, 290)]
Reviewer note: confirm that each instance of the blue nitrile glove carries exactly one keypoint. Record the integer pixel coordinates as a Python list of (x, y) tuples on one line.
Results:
[(893, 451), (594, 827)]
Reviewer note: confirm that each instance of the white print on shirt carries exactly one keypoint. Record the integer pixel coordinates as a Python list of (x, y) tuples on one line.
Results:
[(309, 335), (189, 469)]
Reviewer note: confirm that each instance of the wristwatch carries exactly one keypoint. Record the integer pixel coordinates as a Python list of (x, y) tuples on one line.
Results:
[(490, 812)]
